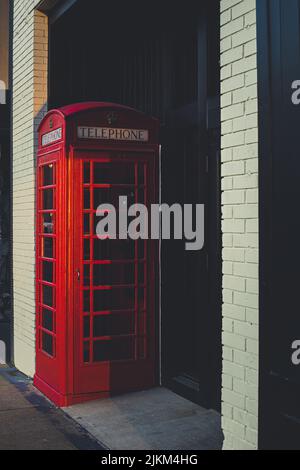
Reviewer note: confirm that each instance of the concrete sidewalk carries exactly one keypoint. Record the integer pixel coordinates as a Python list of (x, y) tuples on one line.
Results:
[(155, 419), (29, 422)]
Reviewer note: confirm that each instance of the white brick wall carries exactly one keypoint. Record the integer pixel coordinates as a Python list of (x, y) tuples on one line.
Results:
[(28, 62), (240, 223)]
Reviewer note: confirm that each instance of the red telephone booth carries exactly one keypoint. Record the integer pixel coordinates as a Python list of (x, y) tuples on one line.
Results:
[(96, 298)]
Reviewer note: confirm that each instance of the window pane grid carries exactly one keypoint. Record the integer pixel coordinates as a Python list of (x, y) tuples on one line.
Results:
[(128, 335), (46, 258)]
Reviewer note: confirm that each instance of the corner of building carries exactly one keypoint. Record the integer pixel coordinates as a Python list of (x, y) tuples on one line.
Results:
[(239, 155), (30, 49)]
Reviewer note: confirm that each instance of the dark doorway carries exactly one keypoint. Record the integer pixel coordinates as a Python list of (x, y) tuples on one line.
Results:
[(164, 60), (279, 67)]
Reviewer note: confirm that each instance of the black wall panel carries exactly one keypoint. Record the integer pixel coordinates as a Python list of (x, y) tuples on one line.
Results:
[(279, 137)]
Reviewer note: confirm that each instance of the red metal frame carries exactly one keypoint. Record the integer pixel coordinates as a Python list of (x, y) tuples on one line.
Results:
[(62, 374)]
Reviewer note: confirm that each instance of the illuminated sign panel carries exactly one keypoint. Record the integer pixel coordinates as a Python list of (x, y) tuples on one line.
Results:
[(109, 133), (51, 137)]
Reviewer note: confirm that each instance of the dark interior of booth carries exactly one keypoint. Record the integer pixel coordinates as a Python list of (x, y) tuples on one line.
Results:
[(162, 58)]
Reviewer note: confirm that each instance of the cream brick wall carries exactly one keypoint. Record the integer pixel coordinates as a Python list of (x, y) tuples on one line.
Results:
[(239, 223), (29, 80)]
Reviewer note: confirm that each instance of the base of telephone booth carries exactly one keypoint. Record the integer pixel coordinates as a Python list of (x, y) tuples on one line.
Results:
[(61, 400)]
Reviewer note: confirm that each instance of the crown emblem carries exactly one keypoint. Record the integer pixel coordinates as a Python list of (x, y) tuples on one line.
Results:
[(111, 118)]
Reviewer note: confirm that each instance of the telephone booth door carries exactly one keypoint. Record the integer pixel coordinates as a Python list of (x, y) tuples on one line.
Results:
[(113, 298)]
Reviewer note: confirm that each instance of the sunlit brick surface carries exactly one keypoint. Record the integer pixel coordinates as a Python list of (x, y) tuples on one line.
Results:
[(239, 223), (29, 84)]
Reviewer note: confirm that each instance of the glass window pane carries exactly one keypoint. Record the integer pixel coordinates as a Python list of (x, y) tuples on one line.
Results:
[(86, 224), (113, 274), (86, 327), (47, 319), (86, 300), (141, 299), (86, 249), (114, 173), (115, 324), (141, 273), (113, 350), (141, 196), (48, 175), (48, 223), (141, 249), (48, 295), (47, 271), (86, 173), (86, 351), (47, 248), (48, 199), (86, 199), (47, 343), (111, 196), (141, 174), (113, 249), (115, 299), (86, 275)]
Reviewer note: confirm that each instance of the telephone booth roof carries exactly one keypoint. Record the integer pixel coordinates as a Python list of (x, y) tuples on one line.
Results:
[(76, 108), (95, 114)]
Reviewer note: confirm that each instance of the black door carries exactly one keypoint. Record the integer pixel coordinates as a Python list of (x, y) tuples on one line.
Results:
[(163, 60), (191, 343), (184, 273), (191, 318), (279, 67)]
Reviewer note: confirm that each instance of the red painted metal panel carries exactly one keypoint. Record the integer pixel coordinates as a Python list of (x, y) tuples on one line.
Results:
[(76, 108), (106, 343)]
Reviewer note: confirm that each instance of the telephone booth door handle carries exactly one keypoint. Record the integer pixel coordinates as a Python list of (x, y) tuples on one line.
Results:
[(78, 274)]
